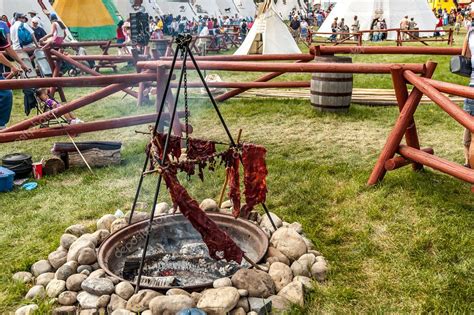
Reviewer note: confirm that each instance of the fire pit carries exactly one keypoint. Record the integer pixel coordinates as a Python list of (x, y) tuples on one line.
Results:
[(176, 255)]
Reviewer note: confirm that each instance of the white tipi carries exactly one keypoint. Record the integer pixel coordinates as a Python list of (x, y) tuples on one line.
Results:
[(247, 8), (41, 7), (268, 35), (182, 8), (393, 11), (125, 7), (285, 8)]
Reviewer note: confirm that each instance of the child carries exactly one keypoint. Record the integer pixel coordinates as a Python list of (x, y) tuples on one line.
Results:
[(42, 94)]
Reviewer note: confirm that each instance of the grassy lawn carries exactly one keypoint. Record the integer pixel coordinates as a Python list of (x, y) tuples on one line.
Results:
[(401, 247)]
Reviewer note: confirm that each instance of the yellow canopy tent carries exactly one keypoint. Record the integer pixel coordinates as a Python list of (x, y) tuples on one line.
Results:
[(88, 19)]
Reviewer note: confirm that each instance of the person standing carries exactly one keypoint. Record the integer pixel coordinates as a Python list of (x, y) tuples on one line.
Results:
[(21, 34), (39, 32), (467, 51), (355, 27), (295, 27), (404, 25)]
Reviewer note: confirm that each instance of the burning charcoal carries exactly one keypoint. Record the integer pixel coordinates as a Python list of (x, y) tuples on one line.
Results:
[(156, 249), (194, 249)]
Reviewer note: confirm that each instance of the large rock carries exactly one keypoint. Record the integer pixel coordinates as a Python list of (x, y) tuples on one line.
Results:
[(137, 216), (76, 230), (219, 301), (319, 270), (209, 205), (140, 301), (272, 252), (161, 208), (289, 242), (98, 286), (64, 272), (55, 287), (45, 278), (116, 303), (57, 258), (293, 292), (23, 277), (170, 304), (307, 260), (300, 269), (67, 240), (238, 311), (36, 292), (105, 222), (118, 224), (124, 289), (222, 282), (176, 291), (74, 282), (67, 298), (266, 223), (87, 300), (40, 267), (257, 283), (101, 235), (124, 312), (281, 275), (29, 309), (87, 256), (77, 246)]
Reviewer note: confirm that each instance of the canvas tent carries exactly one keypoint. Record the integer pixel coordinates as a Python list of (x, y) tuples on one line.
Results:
[(177, 7), (206, 7), (227, 8), (125, 7), (285, 7), (268, 35), (9, 7), (391, 10), (88, 19), (246, 8)]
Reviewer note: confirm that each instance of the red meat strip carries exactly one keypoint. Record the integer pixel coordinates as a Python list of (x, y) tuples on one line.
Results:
[(216, 239), (234, 185), (255, 176), (200, 149)]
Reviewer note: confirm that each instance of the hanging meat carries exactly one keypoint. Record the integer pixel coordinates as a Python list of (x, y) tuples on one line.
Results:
[(234, 185), (255, 176), (219, 243)]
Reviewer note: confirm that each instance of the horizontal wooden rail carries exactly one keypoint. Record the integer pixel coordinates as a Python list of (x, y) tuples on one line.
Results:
[(437, 163), (270, 57), (399, 161), (451, 88), (441, 100), (385, 50), (288, 67)]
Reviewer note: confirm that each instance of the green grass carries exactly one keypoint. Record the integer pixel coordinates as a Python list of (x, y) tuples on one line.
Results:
[(404, 246)]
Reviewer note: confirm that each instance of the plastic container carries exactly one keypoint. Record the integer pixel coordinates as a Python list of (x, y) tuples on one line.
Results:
[(6, 179)]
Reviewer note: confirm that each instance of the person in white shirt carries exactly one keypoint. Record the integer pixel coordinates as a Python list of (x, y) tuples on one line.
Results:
[(21, 20)]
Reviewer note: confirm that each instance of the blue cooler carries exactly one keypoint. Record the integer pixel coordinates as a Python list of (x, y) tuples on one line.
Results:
[(6, 179)]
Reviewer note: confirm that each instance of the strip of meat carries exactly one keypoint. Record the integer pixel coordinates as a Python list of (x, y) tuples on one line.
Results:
[(255, 176), (219, 243), (234, 186), (199, 149)]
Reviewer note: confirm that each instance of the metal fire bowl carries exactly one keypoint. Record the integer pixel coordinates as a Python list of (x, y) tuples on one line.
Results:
[(248, 236)]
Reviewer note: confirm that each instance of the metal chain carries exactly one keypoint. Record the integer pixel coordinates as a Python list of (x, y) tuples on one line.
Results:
[(186, 105)]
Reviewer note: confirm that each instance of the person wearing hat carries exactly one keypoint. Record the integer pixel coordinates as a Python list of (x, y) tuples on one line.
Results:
[(19, 33), (37, 28), (58, 33), (34, 15)]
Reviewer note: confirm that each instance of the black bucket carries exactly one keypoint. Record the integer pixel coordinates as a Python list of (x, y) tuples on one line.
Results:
[(20, 163)]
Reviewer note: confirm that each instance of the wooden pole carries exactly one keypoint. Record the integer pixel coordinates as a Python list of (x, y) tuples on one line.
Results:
[(399, 161)]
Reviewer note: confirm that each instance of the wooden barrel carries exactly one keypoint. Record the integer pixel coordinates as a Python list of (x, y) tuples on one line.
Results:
[(331, 92)]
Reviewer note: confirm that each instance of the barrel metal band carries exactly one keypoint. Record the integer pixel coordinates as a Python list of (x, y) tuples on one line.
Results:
[(330, 106), (325, 79), (331, 94)]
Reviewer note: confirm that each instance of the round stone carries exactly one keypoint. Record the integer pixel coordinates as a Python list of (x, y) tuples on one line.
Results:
[(170, 304), (76, 230), (23, 277), (281, 275), (300, 269), (222, 282), (266, 223), (105, 222), (36, 292), (55, 287), (293, 292), (257, 283), (57, 258), (209, 205), (98, 286), (319, 270), (219, 301), (124, 289), (64, 272), (67, 298), (87, 256), (140, 301), (45, 278), (40, 267), (74, 282), (84, 267), (27, 309), (67, 240), (289, 242)]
